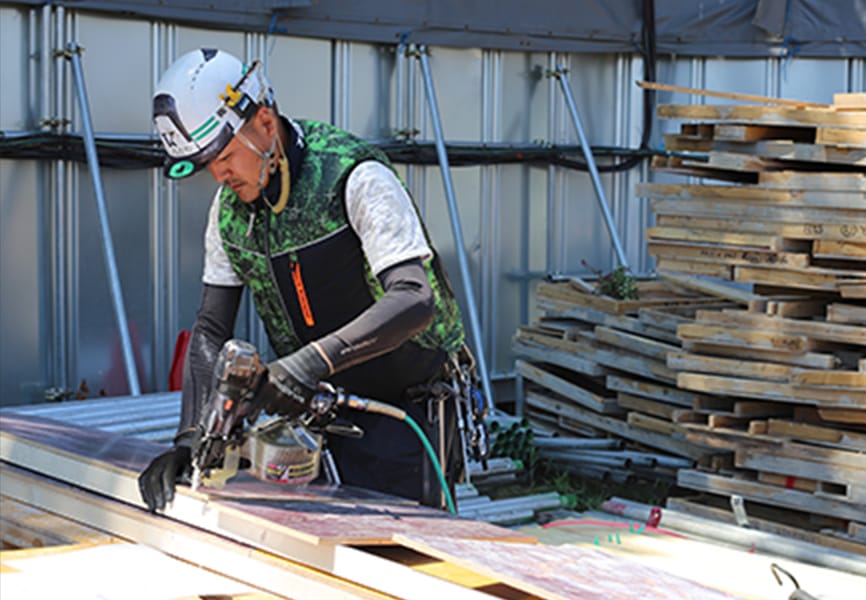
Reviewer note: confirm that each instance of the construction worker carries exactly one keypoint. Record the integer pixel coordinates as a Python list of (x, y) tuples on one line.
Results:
[(320, 228)]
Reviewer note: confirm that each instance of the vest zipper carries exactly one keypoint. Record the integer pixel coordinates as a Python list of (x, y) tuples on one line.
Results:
[(300, 290)]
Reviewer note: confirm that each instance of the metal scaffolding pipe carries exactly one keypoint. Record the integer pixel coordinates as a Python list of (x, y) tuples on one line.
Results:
[(74, 54), (559, 73), (456, 228)]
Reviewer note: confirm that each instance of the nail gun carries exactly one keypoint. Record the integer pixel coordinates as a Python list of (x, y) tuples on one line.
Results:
[(281, 450)]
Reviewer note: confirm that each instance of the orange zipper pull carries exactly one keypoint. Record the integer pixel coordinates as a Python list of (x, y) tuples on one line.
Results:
[(306, 311)]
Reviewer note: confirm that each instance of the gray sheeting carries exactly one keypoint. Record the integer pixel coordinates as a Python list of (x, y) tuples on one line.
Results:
[(686, 27)]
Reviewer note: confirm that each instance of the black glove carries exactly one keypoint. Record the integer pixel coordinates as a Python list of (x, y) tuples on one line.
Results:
[(156, 483), (292, 381)]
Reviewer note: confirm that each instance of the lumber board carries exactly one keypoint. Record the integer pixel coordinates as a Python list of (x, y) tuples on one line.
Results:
[(569, 389), (634, 343), (562, 353), (708, 251), (25, 526), (731, 336), (780, 191), (853, 416), (654, 424), (732, 132), (666, 87), (768, 494), (804, 180), (109, 463), (106, 570), (182, 541), (792, 151), (852, 218), (809, 359), (751, 241), (808, 432), (852, 289), (651, 293), (763, 115), (849, 101), (771, 371), (840, 137), (568, 410), (652, 390), (806, 230), (839, 250), (769, 390), (820, 469), (853, 314), (663, 410), (831, 332), (845, 379), (571, 572), (807, 279), (666, 266), (711, 288), (623, 360)]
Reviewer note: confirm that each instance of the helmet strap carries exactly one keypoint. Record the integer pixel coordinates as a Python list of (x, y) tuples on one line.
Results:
[(270, 163)]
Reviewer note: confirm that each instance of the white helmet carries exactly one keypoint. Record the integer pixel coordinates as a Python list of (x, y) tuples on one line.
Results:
[(200, 102)]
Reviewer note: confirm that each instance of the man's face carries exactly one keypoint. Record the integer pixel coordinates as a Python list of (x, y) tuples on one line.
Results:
[(238, 166)]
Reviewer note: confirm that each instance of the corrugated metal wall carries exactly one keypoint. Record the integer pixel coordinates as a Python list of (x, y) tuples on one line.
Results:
[(57, 327)]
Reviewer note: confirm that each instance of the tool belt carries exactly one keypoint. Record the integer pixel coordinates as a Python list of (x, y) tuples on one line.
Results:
[(455, 409)]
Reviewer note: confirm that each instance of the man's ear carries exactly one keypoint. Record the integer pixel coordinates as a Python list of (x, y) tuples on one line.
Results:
[(266, 120)]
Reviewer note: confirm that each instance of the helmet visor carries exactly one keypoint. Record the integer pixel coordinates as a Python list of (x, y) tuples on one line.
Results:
[(184, 166)]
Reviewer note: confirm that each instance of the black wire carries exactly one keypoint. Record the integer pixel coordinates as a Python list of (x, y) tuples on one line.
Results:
[(138, 153)]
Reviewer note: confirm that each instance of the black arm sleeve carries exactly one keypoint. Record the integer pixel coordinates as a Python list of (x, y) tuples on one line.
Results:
[(214, 324), (406, 308)]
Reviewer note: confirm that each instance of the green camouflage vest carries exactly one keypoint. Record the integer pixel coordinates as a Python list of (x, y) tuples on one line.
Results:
[(267, 251)]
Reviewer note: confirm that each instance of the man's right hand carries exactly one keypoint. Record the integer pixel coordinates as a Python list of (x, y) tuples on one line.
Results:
[(157, 482)]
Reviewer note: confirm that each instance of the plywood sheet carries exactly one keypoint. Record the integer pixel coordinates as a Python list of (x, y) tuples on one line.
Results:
[(561, 572), (316, 515)]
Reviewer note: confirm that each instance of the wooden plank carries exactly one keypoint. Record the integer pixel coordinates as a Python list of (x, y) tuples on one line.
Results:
[(792, 278), (726, 254), (654, 425), (820, 469), (852, 416), (730, 132), (841, 438), (839, 250), (666, 266), (710, 288), (562, 353), (796, 306), (852, 289), (849, 101), (809, 359), (110, 464), (634, 343), (25, 526), (841, 182), (219, 554), (784, 150), (807, 230), (794, 189), (762, 115), (666, 87), (848, 379), (651, 293), (767, 390), (622, 360), (841, 137), (854, 220), (722, 335), (649, 407), (770, 371), (851, 314), (651, 390), (616, 426), (571, 390), (710, 236), (768, 494), (570, 572), (831, 332)]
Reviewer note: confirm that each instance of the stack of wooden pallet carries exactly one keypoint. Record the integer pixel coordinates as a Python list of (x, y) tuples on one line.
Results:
[(596, 366), (792, 224)]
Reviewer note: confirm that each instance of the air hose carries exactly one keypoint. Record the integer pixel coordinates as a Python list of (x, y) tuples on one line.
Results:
[(381, 408)]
